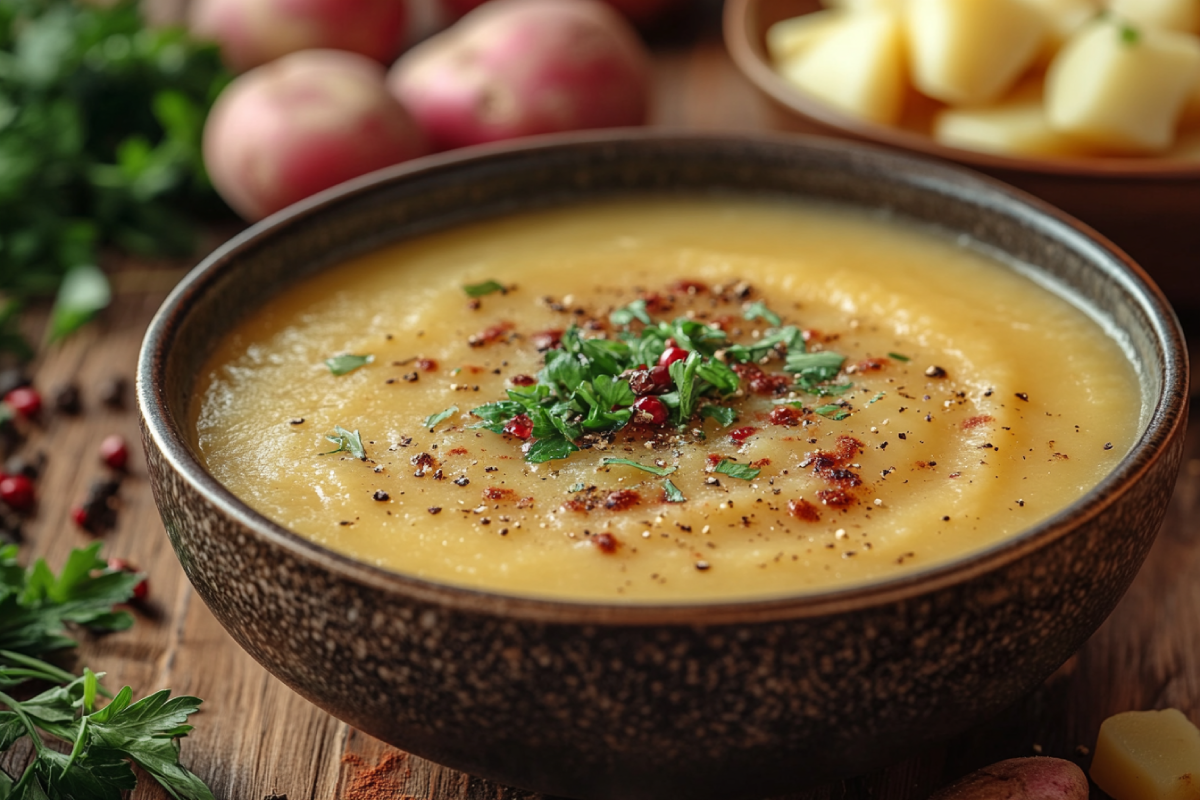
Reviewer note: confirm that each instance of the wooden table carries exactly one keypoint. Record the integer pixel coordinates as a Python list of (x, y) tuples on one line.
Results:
[(255, 738)]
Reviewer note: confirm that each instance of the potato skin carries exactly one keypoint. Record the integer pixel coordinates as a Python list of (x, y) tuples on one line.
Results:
[(301, 124), (255, 32), (1021, 779), (520, 67)]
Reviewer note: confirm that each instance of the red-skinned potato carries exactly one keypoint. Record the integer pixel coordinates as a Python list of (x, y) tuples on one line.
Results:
[(521, 67), (1021, 779), (643, 13), (254, 32), (308, 121)]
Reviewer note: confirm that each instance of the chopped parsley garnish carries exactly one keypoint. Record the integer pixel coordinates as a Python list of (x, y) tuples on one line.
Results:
[(347, 442), (833, 412), (876, 398), (433, 419), (653, 470), (484, 289), (899, 357), (627, 314), (340, 365), (735, 470), (576, 487), (759, 310), (724, 415), (590, 382), (672, 493), (1129, 34)]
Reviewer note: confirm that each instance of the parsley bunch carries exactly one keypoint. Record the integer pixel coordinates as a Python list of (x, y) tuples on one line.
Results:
[(35, 606), (584, 387), (100, 129)]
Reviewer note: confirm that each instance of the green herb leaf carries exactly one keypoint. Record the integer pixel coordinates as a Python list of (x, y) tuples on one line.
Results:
[(496, 415), (876, 398), (735, 470), (672, 493), (340, 365), (683, 372), (833, 412), (724, 415), (84, 291), (820, 366), (627, 314), (433, 419), (549, 449), (759, 310), (576, 487), (347, 442), (484, 289), (653, 470), (790, 339), (899, 357), (1129, 34)]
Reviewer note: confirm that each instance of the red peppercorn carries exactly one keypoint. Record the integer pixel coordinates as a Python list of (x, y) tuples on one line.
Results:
[(520, 426), (650, 409), (671, 355), (17, 492), (142, 589), (114, 452), (24, 400), (79, 516)]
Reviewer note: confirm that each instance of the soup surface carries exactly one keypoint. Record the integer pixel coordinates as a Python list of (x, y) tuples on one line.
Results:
[(840, 400)]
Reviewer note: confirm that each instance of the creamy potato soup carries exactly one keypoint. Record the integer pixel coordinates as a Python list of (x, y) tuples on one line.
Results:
[(666, 400)]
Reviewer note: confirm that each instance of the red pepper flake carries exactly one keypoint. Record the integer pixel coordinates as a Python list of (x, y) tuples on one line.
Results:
[(458, 451), (605, 543), (656, 303), (740, 435), (520, 426), (803, 510), (832, 465), (426, 364), (762, 462), (496, 493), (622, 499), (490, 335), (786, 416), (522, 380), (835, 497), (547, 340), (714, 459), (975, 422), (871, 364), (760, 382)]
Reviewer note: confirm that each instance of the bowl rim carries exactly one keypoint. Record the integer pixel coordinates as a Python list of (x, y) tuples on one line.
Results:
[(749, 54), (1163, 422)]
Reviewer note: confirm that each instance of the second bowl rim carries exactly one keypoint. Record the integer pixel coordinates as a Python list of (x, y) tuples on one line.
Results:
[(1162, 420)]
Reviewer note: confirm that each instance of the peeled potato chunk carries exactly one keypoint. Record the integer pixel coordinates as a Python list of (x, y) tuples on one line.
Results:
[(1015, 126), (1175, 15), (1122, 88), (1148, 755), (970, 52), (858, 67), (788, 38)]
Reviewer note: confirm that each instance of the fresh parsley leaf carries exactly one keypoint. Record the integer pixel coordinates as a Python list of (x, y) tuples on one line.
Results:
[(340, 365), (759, 310), (724, 415), (653, 470), (484, 289), (719, 376), (672, 493), (433, 419), (899, 357), (549, 449), (833, 412), (789, 339), (36, 605), (1129, 34), (496, 415), (828, 389), (683, 372), (735, 470), (627, 314), (347, 442), (576, 487), (876, 398), (820, 366), (84, 291)]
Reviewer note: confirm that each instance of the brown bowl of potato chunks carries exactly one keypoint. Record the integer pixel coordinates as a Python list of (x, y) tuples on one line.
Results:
[(1092, 105)]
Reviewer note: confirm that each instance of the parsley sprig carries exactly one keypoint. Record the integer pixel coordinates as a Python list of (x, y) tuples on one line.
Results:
[(35, 608), (586, 386)]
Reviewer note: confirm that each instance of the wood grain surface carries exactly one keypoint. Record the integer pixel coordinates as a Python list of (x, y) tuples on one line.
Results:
[(255, 739)]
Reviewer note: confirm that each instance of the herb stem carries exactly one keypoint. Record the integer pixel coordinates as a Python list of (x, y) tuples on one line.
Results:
[(34, 736)]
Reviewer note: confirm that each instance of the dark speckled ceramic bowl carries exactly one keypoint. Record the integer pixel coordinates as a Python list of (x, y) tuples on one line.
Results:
[(617, 701)]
